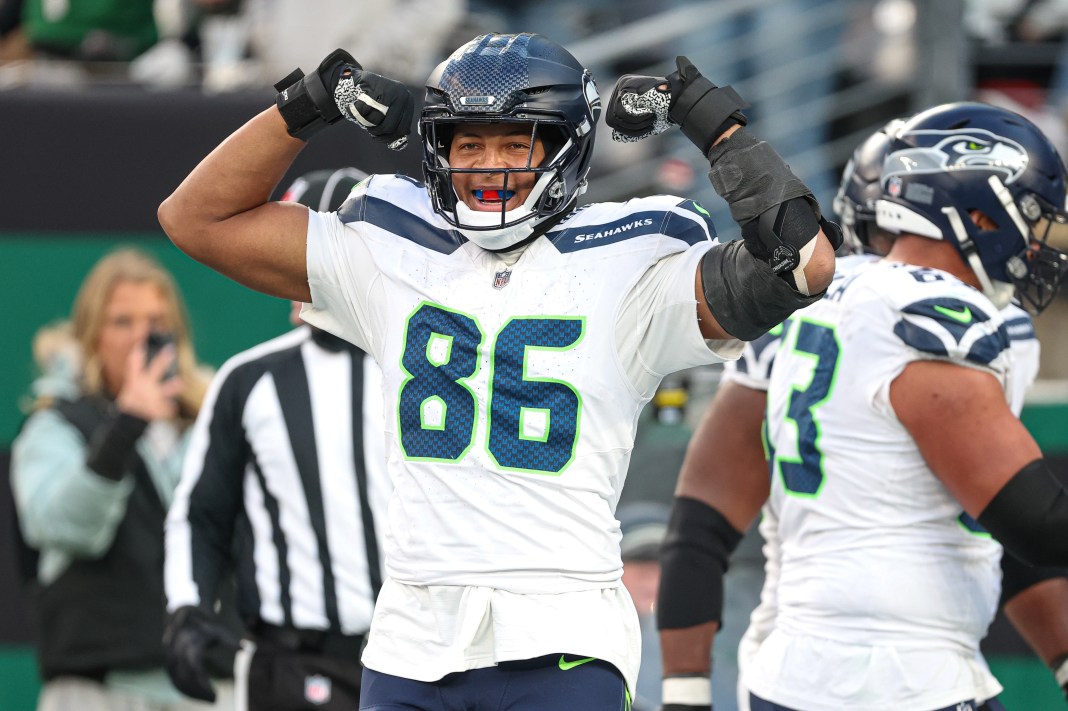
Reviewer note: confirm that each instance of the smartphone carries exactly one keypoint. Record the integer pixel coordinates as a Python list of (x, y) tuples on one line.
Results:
[(156, 341)]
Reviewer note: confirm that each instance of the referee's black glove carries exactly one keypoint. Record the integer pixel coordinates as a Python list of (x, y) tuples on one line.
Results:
[(191, 633)]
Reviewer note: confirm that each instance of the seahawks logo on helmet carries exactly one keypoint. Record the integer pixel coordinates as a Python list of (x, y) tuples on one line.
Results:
[(963, 149)]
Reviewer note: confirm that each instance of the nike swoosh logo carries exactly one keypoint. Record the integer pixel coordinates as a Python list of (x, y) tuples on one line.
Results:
[(565, 665), (703, 211), (963, 316)]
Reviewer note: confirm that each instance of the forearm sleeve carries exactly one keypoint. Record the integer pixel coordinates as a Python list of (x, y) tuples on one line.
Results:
[(693, 560), (752, 177)]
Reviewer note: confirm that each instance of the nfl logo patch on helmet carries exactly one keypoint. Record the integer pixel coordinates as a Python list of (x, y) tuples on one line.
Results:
[(317, 689), (500, 280)]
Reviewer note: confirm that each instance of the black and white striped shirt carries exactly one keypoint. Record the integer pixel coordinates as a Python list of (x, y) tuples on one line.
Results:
[(285, 470)]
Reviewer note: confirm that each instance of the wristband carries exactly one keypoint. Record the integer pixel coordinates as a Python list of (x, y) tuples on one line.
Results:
[(1060, 672), (693, 690)]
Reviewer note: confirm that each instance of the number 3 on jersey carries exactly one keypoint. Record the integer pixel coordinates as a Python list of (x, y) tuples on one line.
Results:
[(817, 342), (533, 423)]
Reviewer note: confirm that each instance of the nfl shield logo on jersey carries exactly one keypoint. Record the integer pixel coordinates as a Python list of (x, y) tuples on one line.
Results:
[(501, 279), (317, 689)]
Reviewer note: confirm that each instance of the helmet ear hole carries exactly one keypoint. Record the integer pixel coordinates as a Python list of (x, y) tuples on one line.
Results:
[(983, 221)]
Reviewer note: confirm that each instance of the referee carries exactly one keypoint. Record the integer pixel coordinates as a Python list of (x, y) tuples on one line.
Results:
[(283, 483)]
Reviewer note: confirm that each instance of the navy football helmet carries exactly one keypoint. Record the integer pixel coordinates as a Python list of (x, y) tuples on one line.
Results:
[(854, 204), (952, 159), (525, 79)]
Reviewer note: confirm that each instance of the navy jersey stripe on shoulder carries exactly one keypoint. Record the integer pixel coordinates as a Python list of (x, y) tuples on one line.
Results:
[(1021, 328), (699, 213), (690, 230), (393, 219), (649, 222), (941, 327)]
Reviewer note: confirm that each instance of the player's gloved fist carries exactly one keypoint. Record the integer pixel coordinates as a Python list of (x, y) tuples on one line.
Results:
[(638, 108), (378, 104), (341, 89), (191, 633), (701, 109), (684, 707)]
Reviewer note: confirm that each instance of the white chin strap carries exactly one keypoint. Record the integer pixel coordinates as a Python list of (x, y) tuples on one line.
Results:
[(481, 223), (502, 237)]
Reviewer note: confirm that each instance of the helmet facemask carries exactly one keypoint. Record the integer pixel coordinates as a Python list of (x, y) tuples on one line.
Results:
[(548, 196), (1039, 270)]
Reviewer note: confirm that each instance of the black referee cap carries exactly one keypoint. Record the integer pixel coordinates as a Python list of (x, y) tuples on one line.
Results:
[(324, 190)]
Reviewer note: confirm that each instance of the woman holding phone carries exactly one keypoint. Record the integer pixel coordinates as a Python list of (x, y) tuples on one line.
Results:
[(93, 472)]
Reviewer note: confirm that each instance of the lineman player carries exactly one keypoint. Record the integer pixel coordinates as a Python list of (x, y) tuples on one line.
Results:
[(685, 618), (519, 337)]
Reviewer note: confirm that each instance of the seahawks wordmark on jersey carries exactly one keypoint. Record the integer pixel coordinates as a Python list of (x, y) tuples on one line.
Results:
[(511, 412)]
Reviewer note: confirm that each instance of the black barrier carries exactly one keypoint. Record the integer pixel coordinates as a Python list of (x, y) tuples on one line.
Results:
[(102, 159)]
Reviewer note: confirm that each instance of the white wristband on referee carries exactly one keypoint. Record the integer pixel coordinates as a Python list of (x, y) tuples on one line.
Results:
[(1061, 673), (686, 690)]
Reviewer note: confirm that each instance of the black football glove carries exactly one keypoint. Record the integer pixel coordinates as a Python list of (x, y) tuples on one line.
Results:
[(341, 89), (639, 108), (192, 633), (684, 707)]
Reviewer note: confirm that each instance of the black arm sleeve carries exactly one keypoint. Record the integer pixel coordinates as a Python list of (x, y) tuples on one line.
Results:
[(693, 559), (1017, 576), (744, 294), (1029, 516)]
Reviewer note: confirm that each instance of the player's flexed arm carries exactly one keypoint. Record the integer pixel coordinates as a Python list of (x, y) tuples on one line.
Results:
[(737, 292), (220, 214)]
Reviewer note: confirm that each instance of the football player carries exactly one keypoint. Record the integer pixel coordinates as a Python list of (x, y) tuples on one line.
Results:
[(709, 514), (519, 334)]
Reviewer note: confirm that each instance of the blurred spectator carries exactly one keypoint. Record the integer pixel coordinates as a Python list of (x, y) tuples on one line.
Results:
[(1001, 21), (257, 42), (643, 526), (1021, 61), (12, 42), (91, 30), (290, 459), (93, 471)]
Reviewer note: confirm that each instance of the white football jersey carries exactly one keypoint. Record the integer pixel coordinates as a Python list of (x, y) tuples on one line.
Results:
[(753, 370), (515, 389), (879, 570)]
